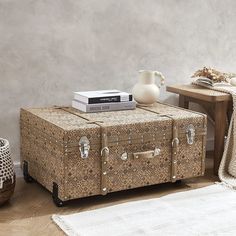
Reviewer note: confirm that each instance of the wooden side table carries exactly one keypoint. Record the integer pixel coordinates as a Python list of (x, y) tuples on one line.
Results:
[(216, 105)]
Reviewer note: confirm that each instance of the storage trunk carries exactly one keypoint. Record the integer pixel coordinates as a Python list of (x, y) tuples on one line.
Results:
[(75, 154)]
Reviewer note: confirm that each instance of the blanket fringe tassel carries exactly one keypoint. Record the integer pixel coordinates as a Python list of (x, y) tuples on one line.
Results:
[(65, 227)]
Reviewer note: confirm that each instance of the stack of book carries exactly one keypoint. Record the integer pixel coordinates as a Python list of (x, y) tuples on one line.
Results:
[(103, 100)]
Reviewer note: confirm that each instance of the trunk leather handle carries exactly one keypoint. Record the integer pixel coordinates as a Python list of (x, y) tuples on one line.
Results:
[(147, 154)]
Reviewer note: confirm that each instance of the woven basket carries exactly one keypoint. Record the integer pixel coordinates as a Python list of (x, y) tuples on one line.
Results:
[(7, 175)]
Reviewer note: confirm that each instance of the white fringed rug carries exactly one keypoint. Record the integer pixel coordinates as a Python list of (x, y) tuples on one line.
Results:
[(206, 211)]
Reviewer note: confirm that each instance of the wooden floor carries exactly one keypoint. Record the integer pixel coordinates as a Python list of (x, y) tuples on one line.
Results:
[(29, 211)]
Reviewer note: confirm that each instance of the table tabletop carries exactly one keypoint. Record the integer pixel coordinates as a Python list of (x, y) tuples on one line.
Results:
[(199, 92)]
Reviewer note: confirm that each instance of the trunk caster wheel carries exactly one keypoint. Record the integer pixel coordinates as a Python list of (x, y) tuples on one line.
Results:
[(57, 201), (27, 177)]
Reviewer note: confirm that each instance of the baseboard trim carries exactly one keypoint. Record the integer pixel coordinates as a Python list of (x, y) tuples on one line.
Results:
[(18, 169)]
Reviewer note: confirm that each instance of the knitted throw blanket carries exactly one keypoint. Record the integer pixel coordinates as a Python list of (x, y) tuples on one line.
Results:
[(227, 169)]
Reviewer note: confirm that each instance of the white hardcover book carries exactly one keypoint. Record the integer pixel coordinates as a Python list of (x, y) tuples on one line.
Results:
[(99, 107), (102, 96)]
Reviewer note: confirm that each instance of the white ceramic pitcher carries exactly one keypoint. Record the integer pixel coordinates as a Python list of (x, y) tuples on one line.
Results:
[(146, 91)]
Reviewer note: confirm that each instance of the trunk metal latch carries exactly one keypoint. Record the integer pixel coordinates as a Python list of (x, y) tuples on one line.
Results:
[(84, 146), (190, 134)]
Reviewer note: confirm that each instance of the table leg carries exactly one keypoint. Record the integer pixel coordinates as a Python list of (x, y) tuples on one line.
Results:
[(220, 130), (183, 102)]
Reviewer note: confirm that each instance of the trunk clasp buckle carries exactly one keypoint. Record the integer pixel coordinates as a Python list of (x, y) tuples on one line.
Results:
[(190, 134), (84, 146)]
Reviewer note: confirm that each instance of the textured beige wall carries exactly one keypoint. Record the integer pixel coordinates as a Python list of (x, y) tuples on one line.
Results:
[(50, 48)]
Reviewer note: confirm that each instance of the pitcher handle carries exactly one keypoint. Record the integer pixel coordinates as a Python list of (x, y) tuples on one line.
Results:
[(159, 74)]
